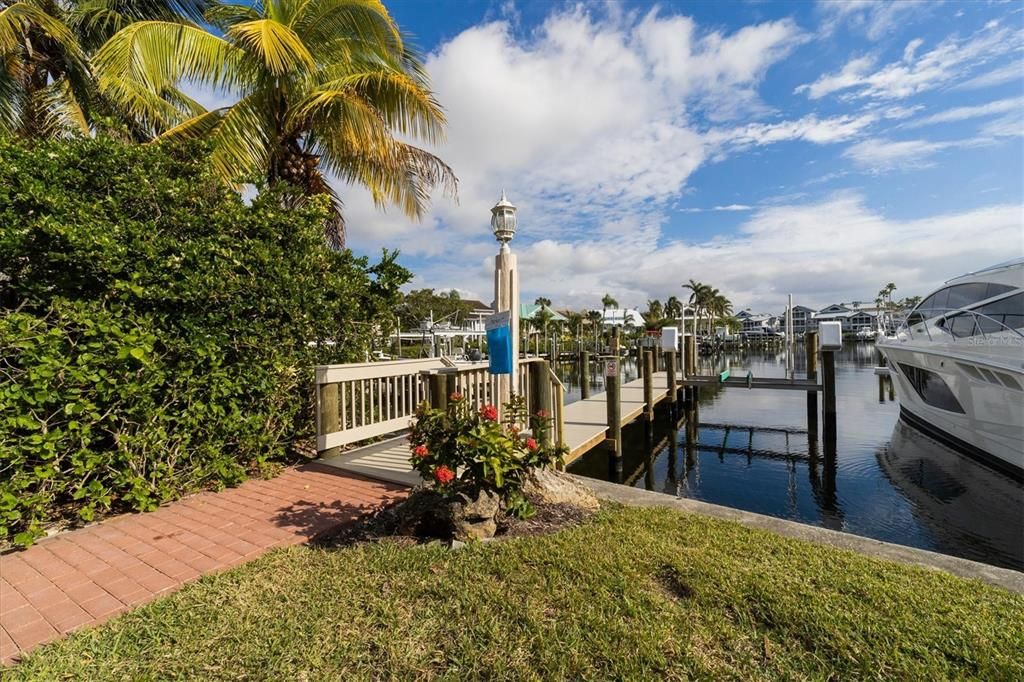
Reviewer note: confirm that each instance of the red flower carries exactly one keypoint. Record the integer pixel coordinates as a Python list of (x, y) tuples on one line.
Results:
[(420, 451), (455, 397), (542, 414), (489, 412), (531, 444), (443, 475)]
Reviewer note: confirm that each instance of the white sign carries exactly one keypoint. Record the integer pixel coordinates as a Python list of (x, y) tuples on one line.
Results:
[(502, 319), (669, 338), (611, 368)]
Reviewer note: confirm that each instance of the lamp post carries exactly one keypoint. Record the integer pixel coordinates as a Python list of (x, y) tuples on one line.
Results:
[(506, 288)]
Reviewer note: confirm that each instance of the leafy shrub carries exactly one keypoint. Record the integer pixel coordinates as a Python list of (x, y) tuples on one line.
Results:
[(463, 449), (157, 334)]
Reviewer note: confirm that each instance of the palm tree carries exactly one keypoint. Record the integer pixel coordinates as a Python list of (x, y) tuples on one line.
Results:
[(540, 300), (541, 320), (324, 87), (595, 319), (655, 314), (673, 308), (698, 295), (608, 302), (47, 88)]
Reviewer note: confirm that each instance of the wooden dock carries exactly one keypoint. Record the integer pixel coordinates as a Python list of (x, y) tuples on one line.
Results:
[(586, 421)]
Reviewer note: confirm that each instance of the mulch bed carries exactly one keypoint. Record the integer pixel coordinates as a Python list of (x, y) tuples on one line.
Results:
[(384, 525)]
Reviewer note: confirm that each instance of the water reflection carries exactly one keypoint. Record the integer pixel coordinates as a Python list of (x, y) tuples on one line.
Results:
[(751, 449)]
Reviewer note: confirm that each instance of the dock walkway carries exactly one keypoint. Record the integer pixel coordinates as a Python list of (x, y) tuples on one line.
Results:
[(586, 423)]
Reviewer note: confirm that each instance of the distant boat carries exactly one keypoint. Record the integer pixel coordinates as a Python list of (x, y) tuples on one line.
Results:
[(866, 334), (958, 361)]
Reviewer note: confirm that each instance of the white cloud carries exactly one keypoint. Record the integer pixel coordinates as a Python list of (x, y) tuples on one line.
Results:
[(874, 17), (978, 111), (589, 116), (809, 129), (825, 251), (882, 155), (1002, 74), (950, 60), (713, 209)]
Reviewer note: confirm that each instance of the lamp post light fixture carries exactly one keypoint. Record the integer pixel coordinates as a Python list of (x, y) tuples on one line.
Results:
[(503, 221)]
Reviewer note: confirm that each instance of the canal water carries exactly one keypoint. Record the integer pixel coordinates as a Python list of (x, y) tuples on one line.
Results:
[(750, 449)]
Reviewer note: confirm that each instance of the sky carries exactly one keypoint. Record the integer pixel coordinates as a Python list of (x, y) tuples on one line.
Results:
[(817, 149)]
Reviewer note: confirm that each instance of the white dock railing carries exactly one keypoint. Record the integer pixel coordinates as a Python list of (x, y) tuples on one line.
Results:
[(355, 402)]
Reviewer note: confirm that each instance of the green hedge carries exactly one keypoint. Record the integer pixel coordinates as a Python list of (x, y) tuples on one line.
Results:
[(157, 334)]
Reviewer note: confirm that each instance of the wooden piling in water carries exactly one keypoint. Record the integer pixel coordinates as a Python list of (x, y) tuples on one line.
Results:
[(828, 361), (673, 389), (584, 374), (648, 368), (613, 392), (327, 404), (811, 349)]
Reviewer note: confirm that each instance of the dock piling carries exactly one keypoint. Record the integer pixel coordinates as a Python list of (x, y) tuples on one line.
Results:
[(673, 389), (648, 369), (828, 359), (811, 349), (584, 374), (613, 394)]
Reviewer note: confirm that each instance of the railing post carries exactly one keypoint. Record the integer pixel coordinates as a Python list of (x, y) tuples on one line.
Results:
[(648, 374), (542, 377), (438, 390), (584, 374), (327, 405)]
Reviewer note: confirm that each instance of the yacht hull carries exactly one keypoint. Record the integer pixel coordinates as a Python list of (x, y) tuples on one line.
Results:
[(989, 425)]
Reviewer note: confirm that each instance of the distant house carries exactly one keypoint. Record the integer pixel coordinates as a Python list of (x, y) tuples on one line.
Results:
[(853, 316), (474, 319), (623, 317), (803, 320), (758, 324), (528, 311)]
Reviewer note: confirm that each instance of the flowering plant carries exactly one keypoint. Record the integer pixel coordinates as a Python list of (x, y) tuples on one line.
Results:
[(469, 450)]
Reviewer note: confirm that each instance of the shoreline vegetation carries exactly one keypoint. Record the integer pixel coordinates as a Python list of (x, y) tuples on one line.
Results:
[(631, 594)]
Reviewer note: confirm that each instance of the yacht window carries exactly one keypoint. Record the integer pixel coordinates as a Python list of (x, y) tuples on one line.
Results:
[(992, 317), (932, 389), (996, 289), (963, 295)]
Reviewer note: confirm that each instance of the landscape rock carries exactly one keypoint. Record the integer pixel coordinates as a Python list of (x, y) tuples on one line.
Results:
[(557, 487), (473, 518)]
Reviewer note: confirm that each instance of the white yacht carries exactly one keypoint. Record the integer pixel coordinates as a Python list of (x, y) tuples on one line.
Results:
[(958, 362)]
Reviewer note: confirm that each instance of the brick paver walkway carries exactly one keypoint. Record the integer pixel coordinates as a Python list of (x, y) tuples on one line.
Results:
[(86, 576)]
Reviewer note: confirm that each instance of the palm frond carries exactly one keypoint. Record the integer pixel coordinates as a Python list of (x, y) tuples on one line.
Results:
[(405, 105), (274, 45), (18, 17), (333, 27), (148, 58)]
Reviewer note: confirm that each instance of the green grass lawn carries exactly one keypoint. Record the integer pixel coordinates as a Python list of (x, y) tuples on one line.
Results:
[(633, 594)]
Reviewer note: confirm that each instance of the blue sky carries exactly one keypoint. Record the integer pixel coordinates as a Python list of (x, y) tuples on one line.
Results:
[(819, 149)]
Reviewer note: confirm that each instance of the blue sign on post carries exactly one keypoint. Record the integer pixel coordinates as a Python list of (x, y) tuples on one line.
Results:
[(499, 342)]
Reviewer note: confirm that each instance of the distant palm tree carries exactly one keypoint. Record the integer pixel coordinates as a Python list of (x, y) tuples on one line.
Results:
[(540, 300), (541, 319), (608, 302), (595, 319), (322, 86), (673, 308), (655, 314)]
